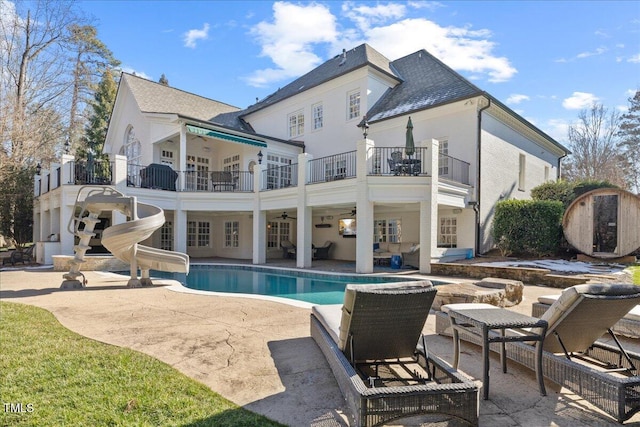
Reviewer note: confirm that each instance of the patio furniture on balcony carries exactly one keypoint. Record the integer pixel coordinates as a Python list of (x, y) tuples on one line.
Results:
[(158, 176), (288, 249), (322, 252), (222, 181)]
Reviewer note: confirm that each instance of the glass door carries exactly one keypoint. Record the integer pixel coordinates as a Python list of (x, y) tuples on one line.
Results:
[(605, 224)]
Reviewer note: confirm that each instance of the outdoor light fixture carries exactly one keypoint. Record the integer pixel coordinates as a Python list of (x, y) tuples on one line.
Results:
[(38, 169), (364, 125), (260, 156)]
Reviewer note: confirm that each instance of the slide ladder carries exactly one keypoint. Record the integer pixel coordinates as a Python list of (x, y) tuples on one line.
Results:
[(122, 240)]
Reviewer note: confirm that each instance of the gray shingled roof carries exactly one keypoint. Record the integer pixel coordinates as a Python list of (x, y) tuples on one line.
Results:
[(353, 59), (427, 82), (157, 98)]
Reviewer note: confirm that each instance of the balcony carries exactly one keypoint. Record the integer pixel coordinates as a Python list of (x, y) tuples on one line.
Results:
[(163, 177)]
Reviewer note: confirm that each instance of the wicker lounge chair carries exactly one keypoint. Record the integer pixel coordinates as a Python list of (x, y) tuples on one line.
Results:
[(604, 375), (377, 323), (628, 326), (322, 252)]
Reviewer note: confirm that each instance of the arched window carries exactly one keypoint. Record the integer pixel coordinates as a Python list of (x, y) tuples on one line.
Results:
[(132, 150)]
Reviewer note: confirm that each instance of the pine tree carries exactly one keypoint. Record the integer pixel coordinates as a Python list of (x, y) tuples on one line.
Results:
[(630, 140), (95, 132)]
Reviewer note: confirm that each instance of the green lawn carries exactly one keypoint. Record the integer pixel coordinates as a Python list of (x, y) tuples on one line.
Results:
[(636, 274), (61, 378)]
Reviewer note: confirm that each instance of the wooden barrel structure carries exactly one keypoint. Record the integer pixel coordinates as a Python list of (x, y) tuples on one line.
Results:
[(604, 223)]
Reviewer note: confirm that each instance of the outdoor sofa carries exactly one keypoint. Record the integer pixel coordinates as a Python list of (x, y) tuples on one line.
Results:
[(383, 322), (604, 375)]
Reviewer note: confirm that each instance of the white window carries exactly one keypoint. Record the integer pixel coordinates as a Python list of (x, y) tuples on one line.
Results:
[(353, 106), (166, 158), (132, 150), (278, 232), (198, 233), (448, 232), (444, 160), (231, 234), (387, 230), (546, 173), (521, 175), (296, 124), (166, 236), (232, 164), (197, 174), (318, 119), (279, 171)]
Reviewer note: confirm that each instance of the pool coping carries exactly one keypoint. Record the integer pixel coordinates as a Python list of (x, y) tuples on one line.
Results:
[(176, 286)]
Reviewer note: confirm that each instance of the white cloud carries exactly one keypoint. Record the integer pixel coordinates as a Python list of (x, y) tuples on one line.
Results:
[(598, 51), (460, 48), (191, 36), (131, 70), (516, 98), (557, 129), (635, 58), (366, 16), (288, 41), (579, 101)]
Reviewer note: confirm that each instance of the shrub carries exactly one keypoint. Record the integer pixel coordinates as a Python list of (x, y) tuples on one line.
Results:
[(528, 226), (561, 191)]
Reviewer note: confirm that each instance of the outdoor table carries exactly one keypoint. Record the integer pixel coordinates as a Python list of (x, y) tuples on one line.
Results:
[(482, 321)]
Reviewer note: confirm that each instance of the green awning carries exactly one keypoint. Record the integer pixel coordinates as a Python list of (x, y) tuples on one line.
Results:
[(197, 130)]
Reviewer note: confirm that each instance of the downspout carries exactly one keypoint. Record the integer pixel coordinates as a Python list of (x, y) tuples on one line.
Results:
[(559, 173), (476, 208)]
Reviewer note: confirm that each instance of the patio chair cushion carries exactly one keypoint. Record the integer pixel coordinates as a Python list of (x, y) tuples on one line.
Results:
[(584, 313)]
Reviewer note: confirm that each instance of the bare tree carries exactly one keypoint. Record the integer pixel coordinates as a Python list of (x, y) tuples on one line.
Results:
[(33, 78), (596, 154)]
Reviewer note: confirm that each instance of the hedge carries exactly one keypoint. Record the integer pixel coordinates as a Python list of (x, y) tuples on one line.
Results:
[(528, 227)]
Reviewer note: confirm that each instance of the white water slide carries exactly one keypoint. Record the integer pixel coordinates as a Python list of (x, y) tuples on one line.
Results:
[(122, 240)]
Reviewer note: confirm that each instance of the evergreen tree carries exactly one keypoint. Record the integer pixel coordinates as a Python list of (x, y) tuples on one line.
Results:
[(630, 141), (95, 132), (90, 57)]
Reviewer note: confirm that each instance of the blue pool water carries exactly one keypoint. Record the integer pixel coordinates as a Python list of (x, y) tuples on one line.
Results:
[(315, 288)]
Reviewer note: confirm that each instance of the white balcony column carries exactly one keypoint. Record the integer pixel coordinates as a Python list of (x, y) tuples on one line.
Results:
[(67, 170), (429, 210), (259, 218), (54, 178), (182, 158), (364, 208), (304, 252), (66, 239), (119, 172), (179, 229)]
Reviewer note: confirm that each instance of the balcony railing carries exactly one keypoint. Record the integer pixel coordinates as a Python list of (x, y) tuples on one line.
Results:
[(277, 177), (162, 177), (331, 168), (97, 172), (453, 169), (395, 161)]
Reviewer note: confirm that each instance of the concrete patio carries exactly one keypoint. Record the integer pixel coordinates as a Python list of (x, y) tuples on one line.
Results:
[(259, 354)]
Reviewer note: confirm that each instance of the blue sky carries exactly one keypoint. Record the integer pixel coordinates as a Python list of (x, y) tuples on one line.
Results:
[(547, 60)]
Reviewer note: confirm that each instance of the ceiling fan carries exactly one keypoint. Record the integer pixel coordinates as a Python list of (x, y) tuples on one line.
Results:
[(352, 213), (285, 216)]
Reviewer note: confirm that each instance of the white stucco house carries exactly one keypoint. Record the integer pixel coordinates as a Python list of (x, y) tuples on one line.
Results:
[(236, 183)]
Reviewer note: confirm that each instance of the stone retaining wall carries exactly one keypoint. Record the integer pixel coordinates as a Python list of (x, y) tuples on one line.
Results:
[(91, 263), (530, 276)]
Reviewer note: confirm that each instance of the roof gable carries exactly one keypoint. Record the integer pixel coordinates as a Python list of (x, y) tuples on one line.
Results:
[(348, 61), (154, 97), (427, 82)]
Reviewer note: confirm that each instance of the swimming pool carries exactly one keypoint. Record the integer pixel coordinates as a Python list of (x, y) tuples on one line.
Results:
[(310, 287)]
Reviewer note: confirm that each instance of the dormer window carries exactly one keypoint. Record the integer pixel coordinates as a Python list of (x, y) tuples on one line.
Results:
[(296, 124), (353, 104)]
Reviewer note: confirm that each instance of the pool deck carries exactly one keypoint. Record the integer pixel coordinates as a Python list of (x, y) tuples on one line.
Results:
[(259, 354)]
